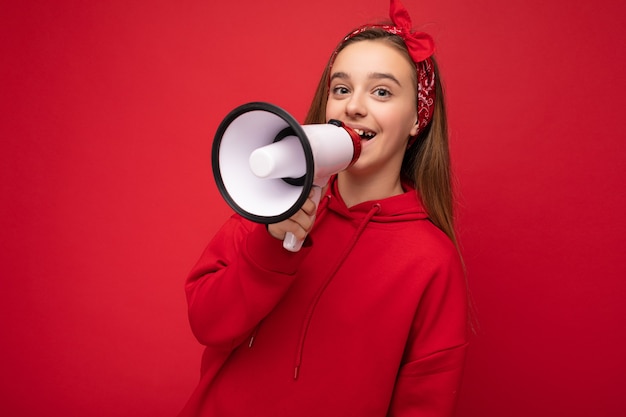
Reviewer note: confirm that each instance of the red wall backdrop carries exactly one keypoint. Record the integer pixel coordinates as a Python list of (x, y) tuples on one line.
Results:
[(108, 113)]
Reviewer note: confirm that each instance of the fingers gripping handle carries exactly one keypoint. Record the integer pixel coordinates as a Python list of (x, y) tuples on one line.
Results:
[(290, 242)]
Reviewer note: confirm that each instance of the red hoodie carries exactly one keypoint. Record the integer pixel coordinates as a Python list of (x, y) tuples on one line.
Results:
[(368, 319)]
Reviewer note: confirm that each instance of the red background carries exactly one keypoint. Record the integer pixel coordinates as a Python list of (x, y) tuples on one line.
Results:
[(108, 113)]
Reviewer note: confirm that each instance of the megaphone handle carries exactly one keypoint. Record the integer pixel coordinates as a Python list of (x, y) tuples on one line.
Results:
[(290, 242)]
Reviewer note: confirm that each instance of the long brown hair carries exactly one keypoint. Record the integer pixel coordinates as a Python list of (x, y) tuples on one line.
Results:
[(427, 161)]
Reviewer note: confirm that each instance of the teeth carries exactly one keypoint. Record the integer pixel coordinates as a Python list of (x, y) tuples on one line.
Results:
[(365, 134)]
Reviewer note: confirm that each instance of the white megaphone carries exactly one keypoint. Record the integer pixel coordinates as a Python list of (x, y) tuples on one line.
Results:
[(265, 163)]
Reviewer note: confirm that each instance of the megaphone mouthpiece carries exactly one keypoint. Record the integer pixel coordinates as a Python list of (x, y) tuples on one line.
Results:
[(284, 159)]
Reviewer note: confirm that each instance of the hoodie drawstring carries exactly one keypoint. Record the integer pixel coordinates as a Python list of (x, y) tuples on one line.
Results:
[(253, 335), (307, 321)]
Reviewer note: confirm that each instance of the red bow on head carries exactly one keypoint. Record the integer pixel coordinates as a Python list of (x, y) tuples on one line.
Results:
[(419, 44)]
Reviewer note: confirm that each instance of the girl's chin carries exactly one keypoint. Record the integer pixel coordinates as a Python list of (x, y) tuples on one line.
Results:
[(360, 167)]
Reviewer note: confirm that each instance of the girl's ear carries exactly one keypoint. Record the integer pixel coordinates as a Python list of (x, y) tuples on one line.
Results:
[(414, 129)]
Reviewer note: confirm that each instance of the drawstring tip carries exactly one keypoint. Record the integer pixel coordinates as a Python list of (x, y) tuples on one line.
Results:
[(296, 372), (251, 342)]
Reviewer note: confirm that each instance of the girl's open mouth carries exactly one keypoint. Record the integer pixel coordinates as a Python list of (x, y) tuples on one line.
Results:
[(367, 135)]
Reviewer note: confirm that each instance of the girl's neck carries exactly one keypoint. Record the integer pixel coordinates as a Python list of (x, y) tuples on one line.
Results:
[(355, 189)]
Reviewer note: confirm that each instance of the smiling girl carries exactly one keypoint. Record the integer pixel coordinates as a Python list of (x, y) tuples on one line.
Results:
[(369, 318)]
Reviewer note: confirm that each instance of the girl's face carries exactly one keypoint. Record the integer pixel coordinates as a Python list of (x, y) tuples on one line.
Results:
[(372, 90)]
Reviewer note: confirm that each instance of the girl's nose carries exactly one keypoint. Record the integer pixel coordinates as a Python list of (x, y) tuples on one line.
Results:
[(355, 106)]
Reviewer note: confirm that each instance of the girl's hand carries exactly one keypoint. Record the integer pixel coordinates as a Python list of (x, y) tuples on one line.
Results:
[(300, 224)]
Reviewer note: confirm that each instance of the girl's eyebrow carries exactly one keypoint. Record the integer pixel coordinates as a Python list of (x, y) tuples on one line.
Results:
[(374, 75), (340, 75), (384, 76)]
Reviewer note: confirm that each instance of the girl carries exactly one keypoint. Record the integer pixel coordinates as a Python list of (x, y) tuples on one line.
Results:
[(369, 317)]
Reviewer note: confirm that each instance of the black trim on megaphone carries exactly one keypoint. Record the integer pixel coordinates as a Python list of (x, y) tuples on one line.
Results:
[(294, 128)]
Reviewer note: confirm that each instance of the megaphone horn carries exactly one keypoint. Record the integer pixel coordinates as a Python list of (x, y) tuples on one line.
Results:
[(265, 163)]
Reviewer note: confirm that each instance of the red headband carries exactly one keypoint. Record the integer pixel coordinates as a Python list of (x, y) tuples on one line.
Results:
[(420, 46)]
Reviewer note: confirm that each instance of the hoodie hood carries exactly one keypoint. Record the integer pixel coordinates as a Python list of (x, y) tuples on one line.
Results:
[(400, 208)]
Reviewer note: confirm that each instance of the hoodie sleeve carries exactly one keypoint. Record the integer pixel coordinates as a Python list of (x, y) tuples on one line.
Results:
[(431, 370), (240, 277)]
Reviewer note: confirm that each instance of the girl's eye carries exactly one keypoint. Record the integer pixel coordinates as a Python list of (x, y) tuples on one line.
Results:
[(340, 90), (382, 92)]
